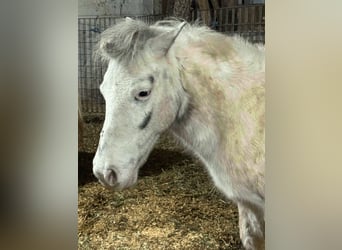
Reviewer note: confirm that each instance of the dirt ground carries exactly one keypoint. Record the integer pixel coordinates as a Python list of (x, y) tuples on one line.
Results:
[(174, 205)]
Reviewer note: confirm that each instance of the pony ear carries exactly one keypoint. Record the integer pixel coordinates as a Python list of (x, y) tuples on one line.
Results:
[(162, 44), (126, 38)]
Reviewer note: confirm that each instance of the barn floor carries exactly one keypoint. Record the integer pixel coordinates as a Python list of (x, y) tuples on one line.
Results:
[(174, 205)]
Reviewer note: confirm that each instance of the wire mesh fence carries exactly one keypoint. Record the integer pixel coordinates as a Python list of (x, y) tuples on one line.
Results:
[(246, 20)]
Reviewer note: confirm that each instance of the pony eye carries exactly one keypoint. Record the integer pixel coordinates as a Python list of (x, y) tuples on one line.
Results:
[(143, 95)]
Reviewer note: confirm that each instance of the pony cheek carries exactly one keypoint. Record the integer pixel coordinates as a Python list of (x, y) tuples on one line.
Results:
[(167, 112)]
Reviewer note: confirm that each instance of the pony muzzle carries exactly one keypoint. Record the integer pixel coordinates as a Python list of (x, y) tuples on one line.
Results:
[(107, 177), (113, 179), (110, 177)]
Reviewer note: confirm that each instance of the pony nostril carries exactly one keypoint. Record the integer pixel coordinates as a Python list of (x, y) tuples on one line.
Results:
[(110, 177)]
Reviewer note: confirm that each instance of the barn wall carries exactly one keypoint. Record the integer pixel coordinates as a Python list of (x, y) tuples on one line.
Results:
[(116, 7)]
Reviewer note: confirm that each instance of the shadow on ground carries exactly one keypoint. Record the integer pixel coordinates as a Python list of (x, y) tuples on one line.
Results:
[(159, 160)]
